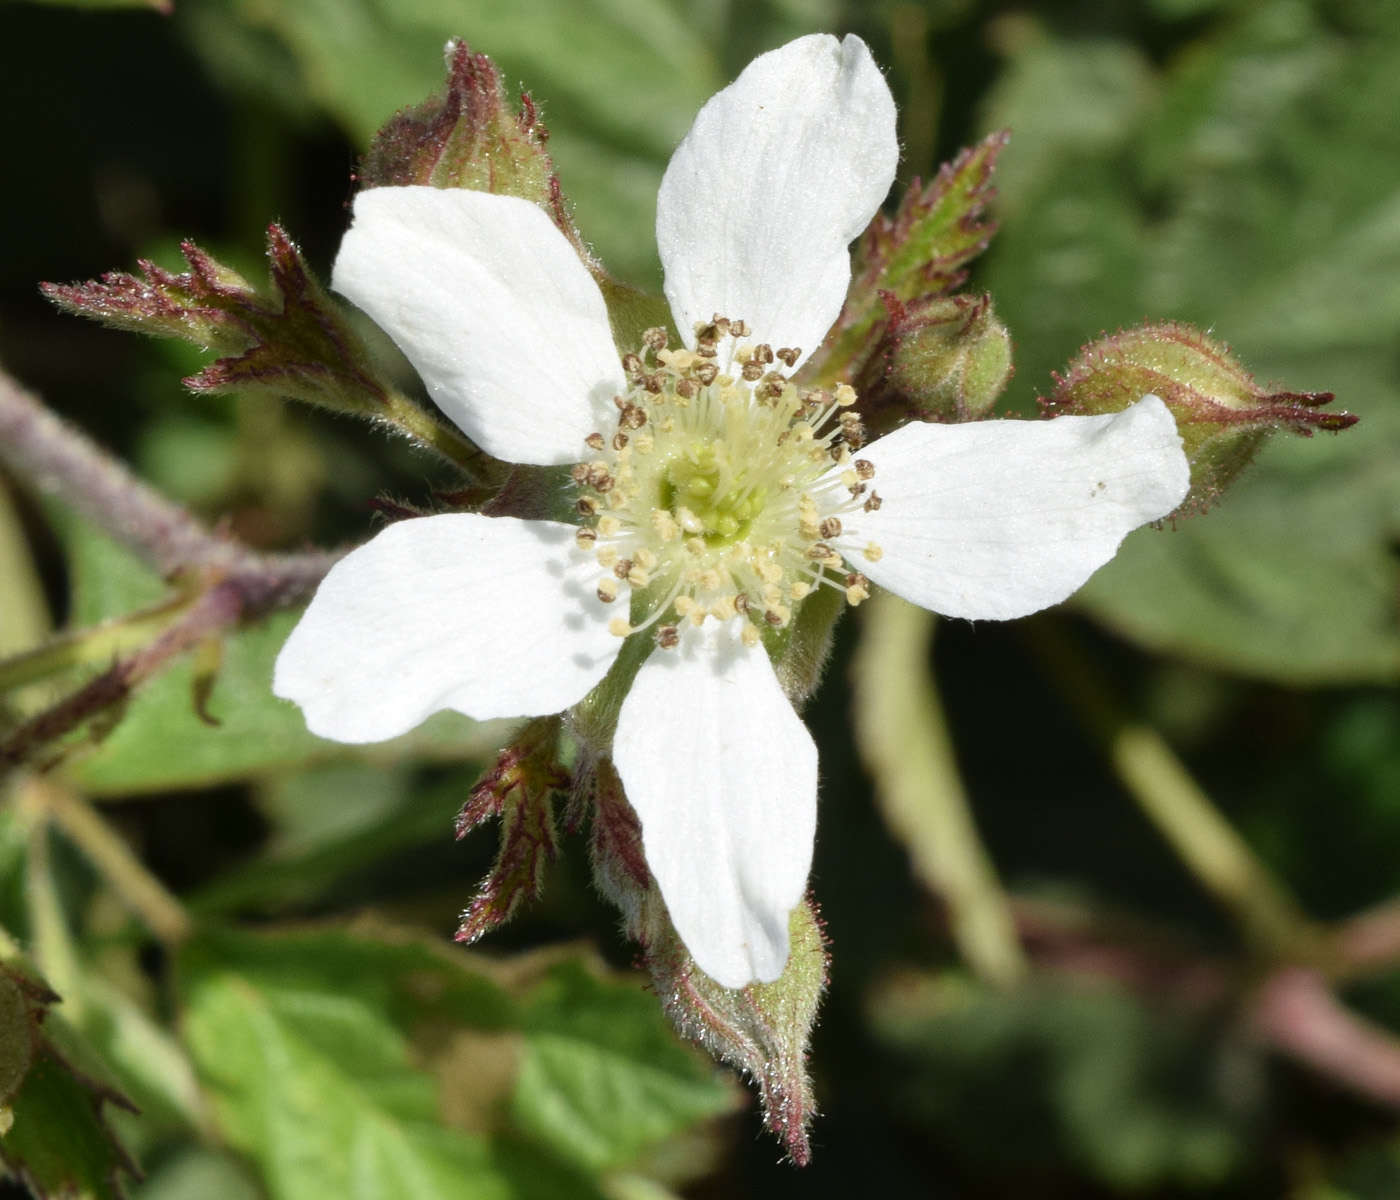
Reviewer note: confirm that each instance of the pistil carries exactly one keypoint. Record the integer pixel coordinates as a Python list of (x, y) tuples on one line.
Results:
[(723, 494)]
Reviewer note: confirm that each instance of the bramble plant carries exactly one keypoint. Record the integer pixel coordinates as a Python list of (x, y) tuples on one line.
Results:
[(657, 512)]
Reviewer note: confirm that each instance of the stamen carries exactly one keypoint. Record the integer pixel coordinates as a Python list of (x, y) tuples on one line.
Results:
[(728, 501)]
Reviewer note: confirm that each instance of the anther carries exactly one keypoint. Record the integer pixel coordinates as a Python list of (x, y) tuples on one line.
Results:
[(763, 353), (864, 468), (749, 636), (655, 337), (752, 372), (688, 389), (789, 355), (741, 604), (585, 539), (580, 473), (831, 527), (586, 505), (595, 440), (607, 591), (739, 329), (723, 608), (622, 567), (618, 627), (668, 637), (818, 551), (653, 384), (873, 553), (632, 363), (845, 395), (873, 503), (634, 416), (706, 372), (619, 440)]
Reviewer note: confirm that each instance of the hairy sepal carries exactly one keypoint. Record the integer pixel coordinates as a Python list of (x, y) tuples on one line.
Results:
[(1223, 416), (762, 1030), (469, 136), (918, 253), (519, 788), (290, 338)]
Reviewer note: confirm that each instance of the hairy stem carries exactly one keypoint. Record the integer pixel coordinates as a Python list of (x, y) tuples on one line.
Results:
[(62, 461), (436, 434), (86, 647), (225, 583), (904, 740)]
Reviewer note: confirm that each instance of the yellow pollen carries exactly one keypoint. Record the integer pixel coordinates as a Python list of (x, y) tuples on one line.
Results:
[(715, 495), (873, 553), (723, 608)]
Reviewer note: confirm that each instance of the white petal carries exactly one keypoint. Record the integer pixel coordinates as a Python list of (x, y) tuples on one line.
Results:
[(723, 775), (780, 172), (493, 308), (492, 616), (1002, 518)]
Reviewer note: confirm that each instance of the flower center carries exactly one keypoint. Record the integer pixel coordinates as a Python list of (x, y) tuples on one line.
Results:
[(724, 494)]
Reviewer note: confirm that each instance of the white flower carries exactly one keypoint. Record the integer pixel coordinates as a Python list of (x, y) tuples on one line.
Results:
[(712, 496)]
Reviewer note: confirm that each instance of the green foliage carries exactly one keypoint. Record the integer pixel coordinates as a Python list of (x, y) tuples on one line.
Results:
[(55, 1098), (1249, 188), (340, 1059), (60, 1142)]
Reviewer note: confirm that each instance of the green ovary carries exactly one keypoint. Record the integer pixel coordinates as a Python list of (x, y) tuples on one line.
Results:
[(692, 488)]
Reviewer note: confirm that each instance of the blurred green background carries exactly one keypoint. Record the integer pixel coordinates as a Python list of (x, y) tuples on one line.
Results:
[(1231, 164)]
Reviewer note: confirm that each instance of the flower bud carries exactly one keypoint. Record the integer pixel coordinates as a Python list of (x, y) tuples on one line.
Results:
[(944, 359), (1222, 414)]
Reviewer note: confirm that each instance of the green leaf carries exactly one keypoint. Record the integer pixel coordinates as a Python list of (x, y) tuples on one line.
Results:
[(602, 1076), (317, 1089), (553, 1054), (60, 1144), (1253, 189), (198, 1173), (54, 1096)]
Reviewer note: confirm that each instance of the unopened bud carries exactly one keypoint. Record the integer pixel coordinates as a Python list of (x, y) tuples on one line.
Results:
[(944, 359), (1223, 416)]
